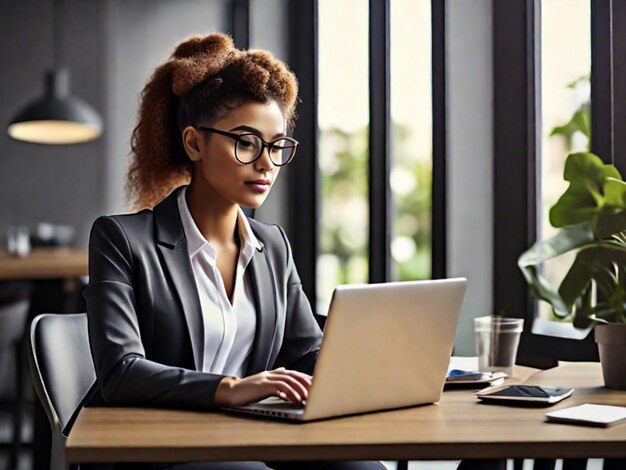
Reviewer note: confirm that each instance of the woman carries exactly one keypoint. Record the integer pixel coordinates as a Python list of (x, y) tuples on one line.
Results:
[(190, 304)]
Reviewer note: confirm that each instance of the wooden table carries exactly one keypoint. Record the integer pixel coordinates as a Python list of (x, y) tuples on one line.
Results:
[(458, 427), (44, 263)]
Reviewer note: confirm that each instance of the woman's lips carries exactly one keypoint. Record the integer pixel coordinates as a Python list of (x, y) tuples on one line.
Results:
[(259, 186)]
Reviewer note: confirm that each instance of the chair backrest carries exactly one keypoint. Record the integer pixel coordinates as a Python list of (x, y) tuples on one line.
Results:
[(62, 371)]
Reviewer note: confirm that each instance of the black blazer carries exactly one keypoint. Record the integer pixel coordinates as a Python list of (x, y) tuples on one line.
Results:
[(145, 323)]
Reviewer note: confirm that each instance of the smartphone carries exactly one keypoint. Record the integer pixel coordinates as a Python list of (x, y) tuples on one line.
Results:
[(525, 394), (465, 377), (458, 374)]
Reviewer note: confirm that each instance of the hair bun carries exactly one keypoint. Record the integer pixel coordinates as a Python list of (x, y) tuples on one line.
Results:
[(199, 57)]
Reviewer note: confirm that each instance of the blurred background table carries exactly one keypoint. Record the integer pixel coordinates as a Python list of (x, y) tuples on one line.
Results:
[(44, 263), (48, 279)]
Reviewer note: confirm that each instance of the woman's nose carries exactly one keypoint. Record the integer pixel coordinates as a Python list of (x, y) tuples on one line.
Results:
[(264, 162)]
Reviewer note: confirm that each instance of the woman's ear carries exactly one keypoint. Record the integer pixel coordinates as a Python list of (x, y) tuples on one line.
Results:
[(192, 142)]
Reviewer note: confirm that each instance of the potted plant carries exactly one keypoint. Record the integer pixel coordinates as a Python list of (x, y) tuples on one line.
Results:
[(591, 217)]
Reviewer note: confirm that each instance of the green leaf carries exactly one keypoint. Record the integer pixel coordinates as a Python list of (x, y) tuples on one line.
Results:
[(598, 318), (566, 131), (585, 195), (609, 221), (566, 239), (604, 313), (584, 307), (582, 79), (541, 289), (576, 205), (615, 192), (577, 280), (591, 263), (588, 168), (592, 214), (581, 120), (590, 260)]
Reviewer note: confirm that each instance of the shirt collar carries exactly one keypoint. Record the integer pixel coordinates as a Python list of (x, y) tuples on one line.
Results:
[(245, 231), (195, 239)]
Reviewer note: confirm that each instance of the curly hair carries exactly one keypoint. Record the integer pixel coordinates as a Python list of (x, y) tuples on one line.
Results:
[(205, 78)]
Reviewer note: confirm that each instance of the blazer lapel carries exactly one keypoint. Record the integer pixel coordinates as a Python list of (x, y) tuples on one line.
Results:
[(264, 291), (173, 247)]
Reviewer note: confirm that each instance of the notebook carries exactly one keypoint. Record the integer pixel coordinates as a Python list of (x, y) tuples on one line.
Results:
[(590, 415), (385, 346)]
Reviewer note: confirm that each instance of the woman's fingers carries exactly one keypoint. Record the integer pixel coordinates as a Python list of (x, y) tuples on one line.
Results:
[(303, 378), (287, 384), (298, 381), (283, 390), (302, 390)]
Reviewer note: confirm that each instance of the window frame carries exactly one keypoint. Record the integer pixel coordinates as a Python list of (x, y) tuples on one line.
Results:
[(239, 22), (516, 26), (379, 140), (304, 175)]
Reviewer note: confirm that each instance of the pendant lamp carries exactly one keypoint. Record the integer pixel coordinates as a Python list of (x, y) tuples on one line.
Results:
[(57, 117)]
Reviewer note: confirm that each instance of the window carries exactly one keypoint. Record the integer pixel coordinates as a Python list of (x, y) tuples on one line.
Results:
[(343, 146), (521, 64), (565, 108), (366, 193), (411, 133)]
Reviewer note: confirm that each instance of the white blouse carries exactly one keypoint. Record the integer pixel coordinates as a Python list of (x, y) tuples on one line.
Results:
[(228, 328)]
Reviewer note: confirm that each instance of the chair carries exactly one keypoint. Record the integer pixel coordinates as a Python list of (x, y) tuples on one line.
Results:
[(14, 306), (62, 371)]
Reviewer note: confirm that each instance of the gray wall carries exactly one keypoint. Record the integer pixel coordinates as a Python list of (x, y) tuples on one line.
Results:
[(110, 47), (58, 184), (469, 138), (139, 35)]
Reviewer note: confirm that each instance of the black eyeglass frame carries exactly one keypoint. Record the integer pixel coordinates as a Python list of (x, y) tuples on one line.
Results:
[(264, 144)]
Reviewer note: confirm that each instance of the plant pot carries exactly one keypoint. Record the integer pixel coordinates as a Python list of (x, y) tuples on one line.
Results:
[(611, 341)]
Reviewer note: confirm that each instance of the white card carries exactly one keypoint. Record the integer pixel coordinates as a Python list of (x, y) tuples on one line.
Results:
[(594, 415)]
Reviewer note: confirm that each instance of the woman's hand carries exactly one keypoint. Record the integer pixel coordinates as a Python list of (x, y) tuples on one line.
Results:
[(287, 384)]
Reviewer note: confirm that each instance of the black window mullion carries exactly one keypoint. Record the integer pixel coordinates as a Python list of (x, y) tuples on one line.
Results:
[(303, 187), (439, 188), (379, 141), (608, 82), (240, 23), (619, 85), (516, 170), (514, 204), (601, 80), (514, 155)]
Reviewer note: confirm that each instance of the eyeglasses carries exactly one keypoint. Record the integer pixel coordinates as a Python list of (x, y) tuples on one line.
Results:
[(249, 147)]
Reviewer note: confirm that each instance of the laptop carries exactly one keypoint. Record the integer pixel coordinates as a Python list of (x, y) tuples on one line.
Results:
[(385, 346)]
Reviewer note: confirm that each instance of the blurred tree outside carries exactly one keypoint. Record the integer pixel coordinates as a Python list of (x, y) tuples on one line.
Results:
[(411, 186), (579, 125), (574, 135), (344, 218)]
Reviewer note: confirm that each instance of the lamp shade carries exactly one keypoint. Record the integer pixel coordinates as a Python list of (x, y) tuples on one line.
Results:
[(57, 118)]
